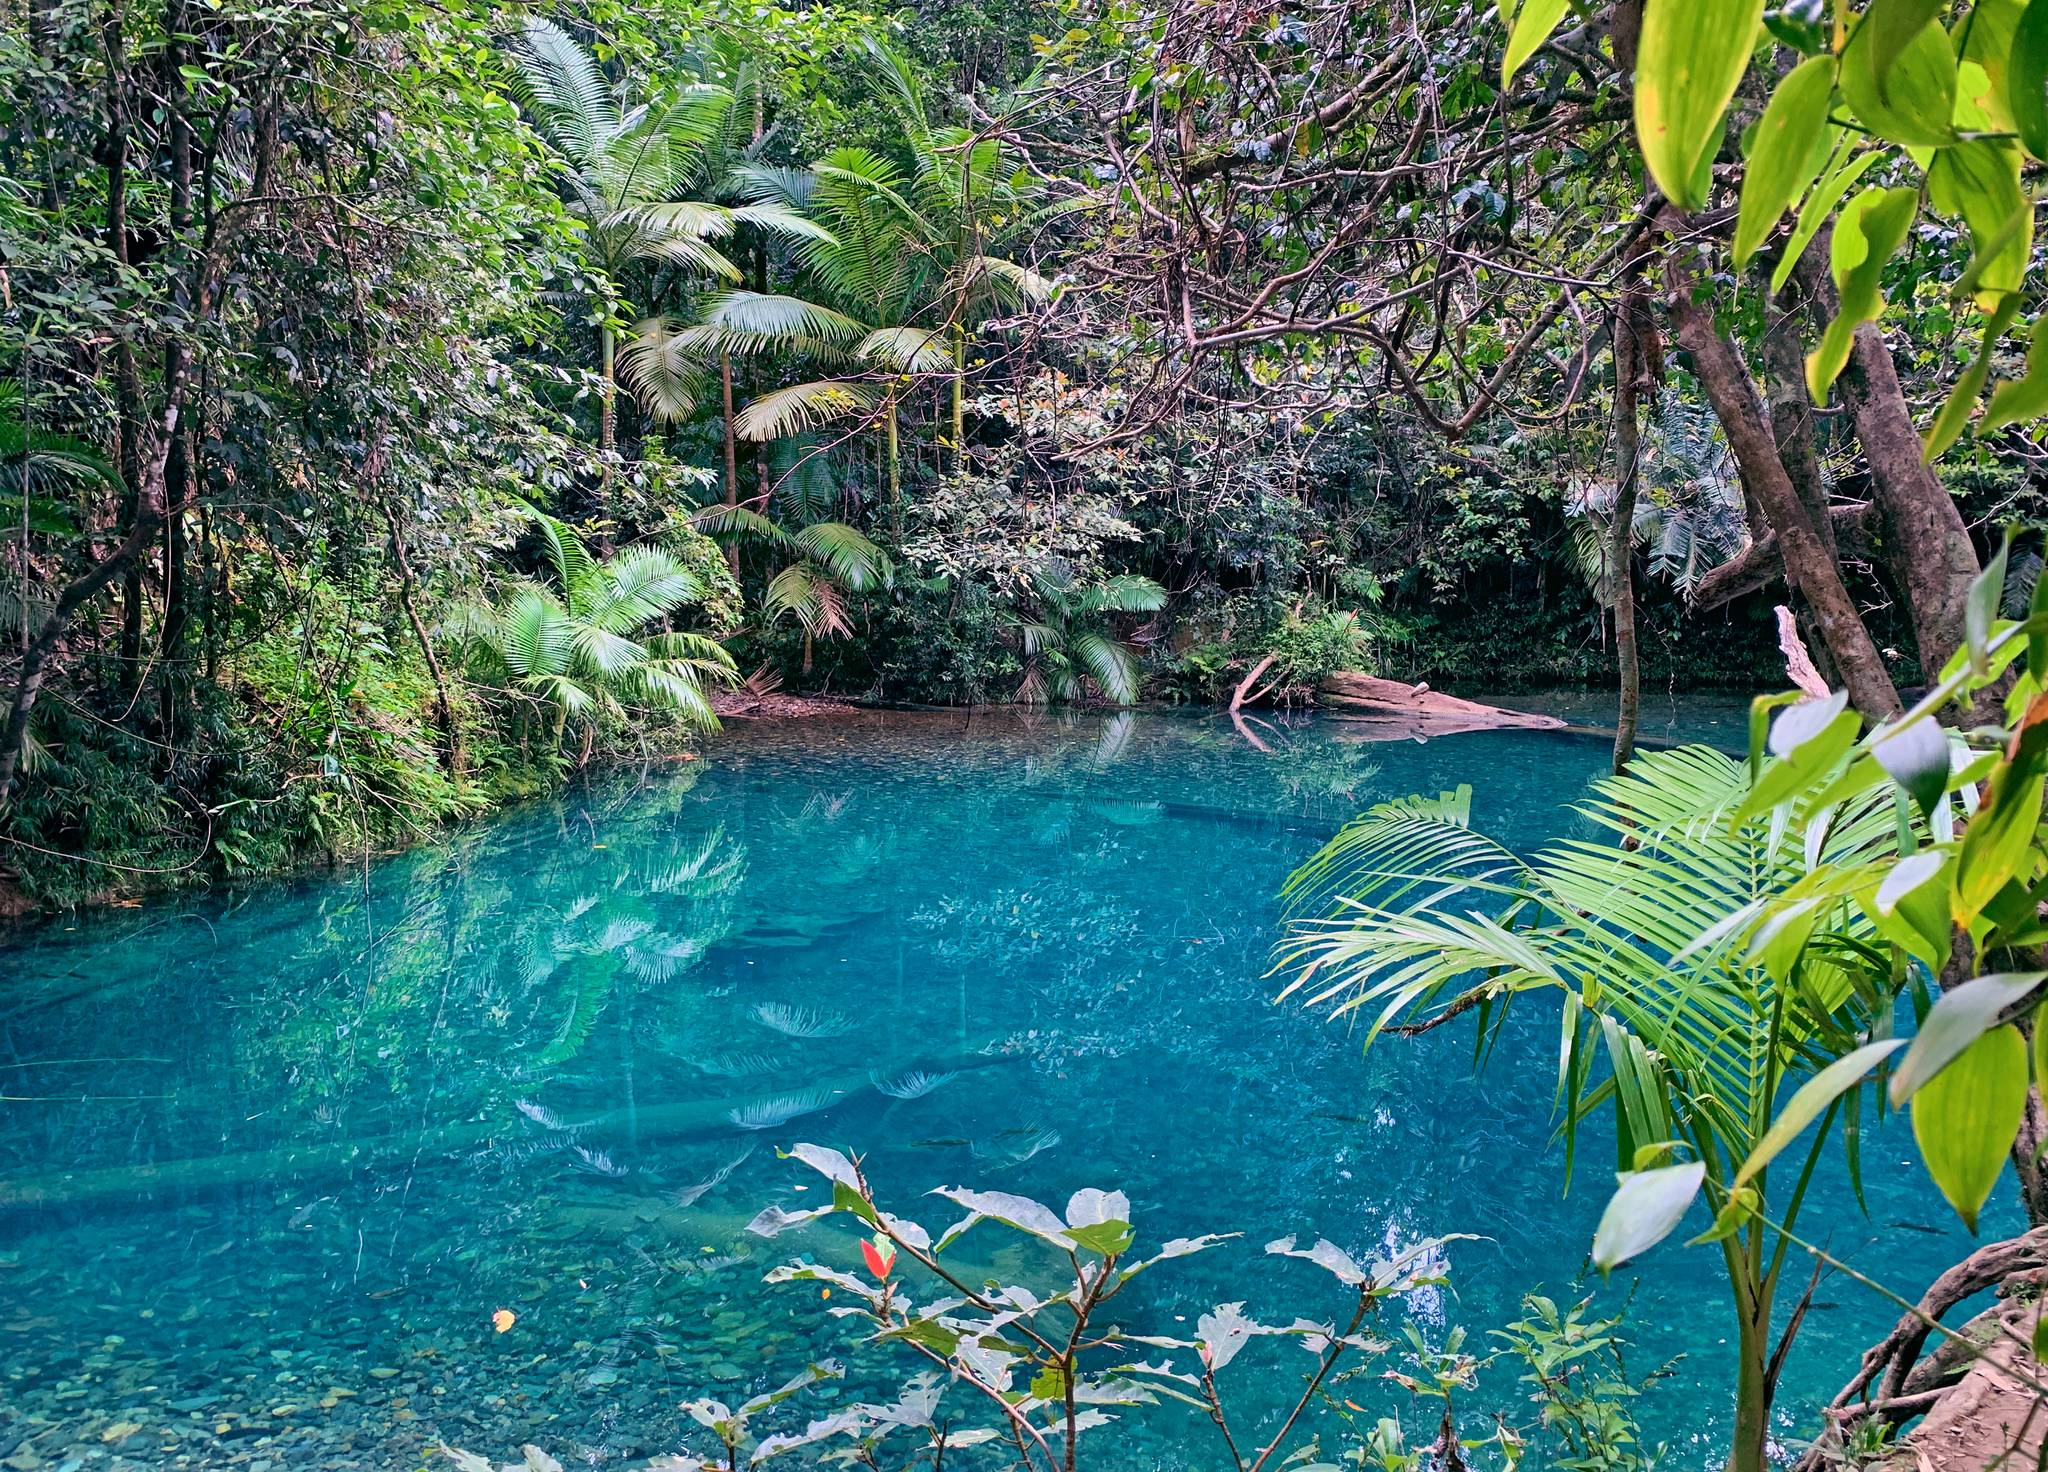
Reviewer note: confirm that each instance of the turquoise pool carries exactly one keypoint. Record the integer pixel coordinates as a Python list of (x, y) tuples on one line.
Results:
[(272, 1159)]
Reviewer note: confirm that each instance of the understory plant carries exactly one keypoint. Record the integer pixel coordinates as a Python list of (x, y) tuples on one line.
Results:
[(1732, 956), (592, 643), (1071, 642), (1016, 1373)]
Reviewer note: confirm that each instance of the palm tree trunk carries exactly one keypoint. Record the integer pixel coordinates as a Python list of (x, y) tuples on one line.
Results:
[(732, 456), (889, 430), (959, 396), (607, 416), (1749, 1451)]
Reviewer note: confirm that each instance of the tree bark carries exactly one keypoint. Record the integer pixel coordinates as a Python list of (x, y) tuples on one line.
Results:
[(1808, 566), (1927, 546), (35, 659), (1757, 566)]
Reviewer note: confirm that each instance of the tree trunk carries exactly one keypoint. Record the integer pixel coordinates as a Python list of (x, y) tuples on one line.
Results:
[(35, 658), (1927, 546), (1748, 1452), (1808, 567), (607, 413), (1621, 533), (890, 450), (444, 713), (732, 457)]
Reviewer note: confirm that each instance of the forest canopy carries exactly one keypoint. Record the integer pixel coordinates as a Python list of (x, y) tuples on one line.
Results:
[(404, 406)]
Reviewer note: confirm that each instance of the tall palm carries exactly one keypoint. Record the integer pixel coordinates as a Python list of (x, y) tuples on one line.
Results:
[(634, 177), (967, 187), (1072, 642), (897, 276), (581, 648), (1652, 938)]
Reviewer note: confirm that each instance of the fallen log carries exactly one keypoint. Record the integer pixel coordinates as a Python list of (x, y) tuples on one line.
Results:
[(697, 1119), (1417, 710)]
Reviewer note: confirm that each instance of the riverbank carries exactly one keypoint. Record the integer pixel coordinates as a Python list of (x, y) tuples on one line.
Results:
[(423, 804)]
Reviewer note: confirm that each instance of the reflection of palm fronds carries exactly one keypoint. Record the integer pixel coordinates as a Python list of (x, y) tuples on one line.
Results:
[(1013, 1147), (663, 958), (735, 1065), (691, 1195), (597, 1162), (913, 1085), (801, 1022), (767, 1114)]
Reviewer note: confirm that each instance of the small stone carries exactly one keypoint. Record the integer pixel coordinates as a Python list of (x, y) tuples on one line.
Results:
[(284, 1410), (382, 1372), (119, 1431)]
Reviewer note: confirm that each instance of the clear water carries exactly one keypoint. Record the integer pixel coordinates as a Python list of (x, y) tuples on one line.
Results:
[(271, 1160)]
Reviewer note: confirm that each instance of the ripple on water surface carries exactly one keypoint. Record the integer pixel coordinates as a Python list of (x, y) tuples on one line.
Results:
[(272, 1160)]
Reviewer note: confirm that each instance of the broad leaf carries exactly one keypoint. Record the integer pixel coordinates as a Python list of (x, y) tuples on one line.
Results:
[(1812, 1100), (1966, 1119), (1868, 232), (1645, 1209), (1960, 1016), (1786, 154), (1690, 57), (1532, 26)]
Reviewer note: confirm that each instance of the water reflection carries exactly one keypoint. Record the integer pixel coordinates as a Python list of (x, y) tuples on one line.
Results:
[(270, 1162)]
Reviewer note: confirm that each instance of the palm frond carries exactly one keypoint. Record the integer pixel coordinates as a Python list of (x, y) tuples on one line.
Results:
[(1110, 663), (846, 554), (773, 316), (907, 349), (1123, 593), (561, 82), (738, 521), (664, 367), (804, 406)]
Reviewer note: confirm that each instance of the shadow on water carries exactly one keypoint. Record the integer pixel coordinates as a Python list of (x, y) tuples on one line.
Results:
[(271, 1160)]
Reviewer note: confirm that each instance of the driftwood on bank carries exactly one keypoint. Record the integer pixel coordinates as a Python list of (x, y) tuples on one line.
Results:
[(1974, 1397), (1417, 710)]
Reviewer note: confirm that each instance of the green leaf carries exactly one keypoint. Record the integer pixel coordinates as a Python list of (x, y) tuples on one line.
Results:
[(1786, 154), (1819, 205), (2026, 79), (1532, 26), (1911, 910), (1967, 1118), (1644, 1210), (1955, 409), (1980, 608), (1868, 232), (1915, 103), (1890, 26), (2025, 397), (1978, 181), (1812, 1100), (1916, 757), (1803, 758), (1690, 57), (1960, 1016)]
